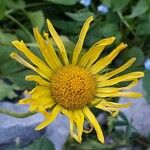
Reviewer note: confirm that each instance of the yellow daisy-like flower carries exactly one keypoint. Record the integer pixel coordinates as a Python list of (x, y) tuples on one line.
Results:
[(73, 87)]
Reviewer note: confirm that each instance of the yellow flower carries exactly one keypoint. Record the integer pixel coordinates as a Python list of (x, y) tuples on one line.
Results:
[(72, 87)]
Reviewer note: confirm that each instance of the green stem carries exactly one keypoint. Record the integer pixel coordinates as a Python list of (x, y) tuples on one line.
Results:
[(126, 23), (16, 115), (21, 26), (36, 4)]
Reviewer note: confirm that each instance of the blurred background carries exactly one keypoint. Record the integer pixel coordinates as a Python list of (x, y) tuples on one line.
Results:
[(127, 20)]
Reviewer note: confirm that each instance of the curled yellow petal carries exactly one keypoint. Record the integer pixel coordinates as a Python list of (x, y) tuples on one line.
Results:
[(127, 77), (50, 118), (88, 114), (75, 136), (80, 41), (113, 104), (117, 89), (88, 131), (76, 118), (79, 120), (111, 107)]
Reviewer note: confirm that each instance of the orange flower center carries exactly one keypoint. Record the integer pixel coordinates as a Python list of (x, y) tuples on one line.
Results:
[(73, 87)]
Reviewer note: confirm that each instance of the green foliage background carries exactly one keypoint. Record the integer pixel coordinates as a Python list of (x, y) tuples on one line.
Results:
[(127, 20)]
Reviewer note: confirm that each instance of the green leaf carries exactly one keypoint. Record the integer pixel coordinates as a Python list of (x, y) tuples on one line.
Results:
[(118, 5), (67, 27), (143, 27), (4, 55), (21, 35), (18, 78), (64, 2), (111, 30), (10, 66), (80, 16), (102, 30), (91, 144), (7, 37), (15, 4), (140, 8), (146, 86), (107, 2), (6, 90), (40, 144), (37, 18)]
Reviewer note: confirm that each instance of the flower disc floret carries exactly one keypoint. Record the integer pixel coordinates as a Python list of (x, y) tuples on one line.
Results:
[(73, 87)]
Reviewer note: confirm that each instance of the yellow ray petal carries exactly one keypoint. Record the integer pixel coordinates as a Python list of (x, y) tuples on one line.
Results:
[(53, 54), (79, 120), (47, 51), (88, 131), (33, 108), (95, 101), (117, 89), (44, 112), (102, 63), (88, 114), (49, 119), (113, 104), (37, 79), (39, 88), (41, 104), (119, 94), (80, 41), (48, 105), (91, 56), (44, 100), (33, 58), (26, 64), (58, 41), (26, 101), (40, 95), (117, 71), (127, 77), (75, 136), (76, 120), (111, 107)]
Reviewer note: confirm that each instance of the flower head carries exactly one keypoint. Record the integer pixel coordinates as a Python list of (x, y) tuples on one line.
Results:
[(73, 87)]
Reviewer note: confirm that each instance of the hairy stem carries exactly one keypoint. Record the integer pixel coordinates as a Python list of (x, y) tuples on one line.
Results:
[(15, 114), (126, 23), (20, 25)]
